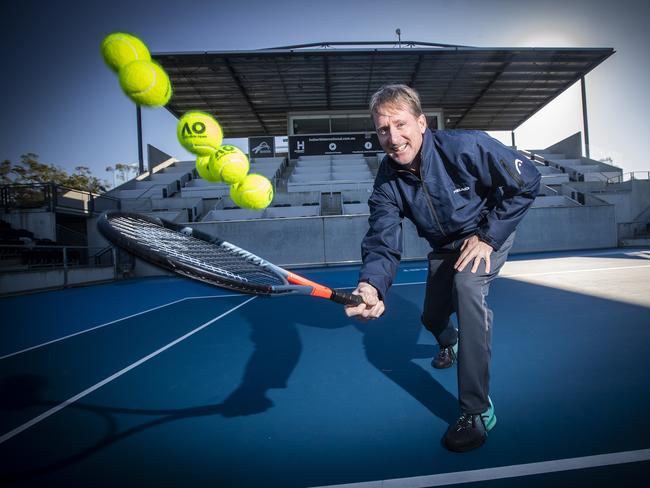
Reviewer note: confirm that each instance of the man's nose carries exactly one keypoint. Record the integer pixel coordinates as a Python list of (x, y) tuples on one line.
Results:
[(394, 138)]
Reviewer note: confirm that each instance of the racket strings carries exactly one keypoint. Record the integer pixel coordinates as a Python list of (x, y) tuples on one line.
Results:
[(223, 260)]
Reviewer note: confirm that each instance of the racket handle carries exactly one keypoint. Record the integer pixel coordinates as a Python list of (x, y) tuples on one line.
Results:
[(346, 298)]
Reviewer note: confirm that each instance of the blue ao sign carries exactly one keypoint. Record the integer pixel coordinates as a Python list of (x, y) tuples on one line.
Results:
[(325, 144)]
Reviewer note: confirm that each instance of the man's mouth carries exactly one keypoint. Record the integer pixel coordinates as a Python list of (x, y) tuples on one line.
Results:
[(399, 149)]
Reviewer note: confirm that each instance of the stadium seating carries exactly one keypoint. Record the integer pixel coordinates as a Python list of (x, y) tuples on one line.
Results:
[(330, 173)]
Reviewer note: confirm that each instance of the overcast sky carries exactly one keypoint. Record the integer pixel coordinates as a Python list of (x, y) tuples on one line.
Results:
[(61, 102)]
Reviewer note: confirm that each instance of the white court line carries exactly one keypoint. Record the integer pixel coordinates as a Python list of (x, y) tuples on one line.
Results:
[(87, 391), (502, 472), (545, 273), (109, 323)]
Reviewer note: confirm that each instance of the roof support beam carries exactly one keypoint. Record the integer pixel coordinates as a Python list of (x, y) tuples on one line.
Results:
[(326, 68), (496, 76), (284, 85), (244, 93), (585, 123), (370, 71), (416, 71)]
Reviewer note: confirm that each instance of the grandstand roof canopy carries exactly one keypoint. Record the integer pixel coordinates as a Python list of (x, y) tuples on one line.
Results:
[(251, 92)]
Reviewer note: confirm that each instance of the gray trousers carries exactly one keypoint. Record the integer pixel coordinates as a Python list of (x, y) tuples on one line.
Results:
[(464, 293)]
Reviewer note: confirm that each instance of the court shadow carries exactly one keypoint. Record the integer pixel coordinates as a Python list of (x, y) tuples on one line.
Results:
[(390, 343), (276, 352)]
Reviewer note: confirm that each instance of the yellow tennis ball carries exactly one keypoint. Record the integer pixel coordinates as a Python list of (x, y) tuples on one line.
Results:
[(146, 83), (199, 133), (203, 169), (234, 196), (119, 49), (230, 163), (254, 192)]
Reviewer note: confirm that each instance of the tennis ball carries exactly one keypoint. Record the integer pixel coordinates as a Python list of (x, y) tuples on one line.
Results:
[(254, 192), (234, 195), (230, 164), (146, 83), (203, 169), (119, 49), (199, 133)]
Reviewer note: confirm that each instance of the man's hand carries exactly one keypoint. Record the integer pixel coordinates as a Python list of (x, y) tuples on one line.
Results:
[(474, 249), (372, 307)]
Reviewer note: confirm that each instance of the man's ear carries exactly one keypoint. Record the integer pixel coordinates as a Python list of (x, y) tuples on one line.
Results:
[(422, 122)]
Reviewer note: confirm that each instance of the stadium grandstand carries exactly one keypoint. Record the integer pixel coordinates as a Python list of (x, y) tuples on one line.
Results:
[(315, 97)]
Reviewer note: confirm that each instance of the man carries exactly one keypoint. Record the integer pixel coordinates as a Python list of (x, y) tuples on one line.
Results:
[(465, 192)]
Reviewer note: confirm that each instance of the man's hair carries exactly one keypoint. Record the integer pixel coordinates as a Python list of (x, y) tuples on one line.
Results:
[(396, 95)]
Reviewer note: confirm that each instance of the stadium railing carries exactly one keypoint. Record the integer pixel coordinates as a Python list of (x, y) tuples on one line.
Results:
[(54, 197), (36, 267)]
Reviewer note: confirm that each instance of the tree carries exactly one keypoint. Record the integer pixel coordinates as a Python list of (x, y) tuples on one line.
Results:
[(123, 171), (5, 172), (31, 171)]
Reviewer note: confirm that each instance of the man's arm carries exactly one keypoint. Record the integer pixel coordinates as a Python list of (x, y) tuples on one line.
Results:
[(498, 166), (381, 250)]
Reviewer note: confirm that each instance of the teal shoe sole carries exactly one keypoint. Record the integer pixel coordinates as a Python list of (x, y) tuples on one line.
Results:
[(491, 422), (490, 419)]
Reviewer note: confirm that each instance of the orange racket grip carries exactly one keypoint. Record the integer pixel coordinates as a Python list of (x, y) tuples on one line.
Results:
[(323, 291)]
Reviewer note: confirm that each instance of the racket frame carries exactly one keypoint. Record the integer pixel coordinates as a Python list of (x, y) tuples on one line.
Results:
[(293, 284)]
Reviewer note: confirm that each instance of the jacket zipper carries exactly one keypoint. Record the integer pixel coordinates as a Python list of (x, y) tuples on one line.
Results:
[(428, 199), (515, 177), (432, 208)]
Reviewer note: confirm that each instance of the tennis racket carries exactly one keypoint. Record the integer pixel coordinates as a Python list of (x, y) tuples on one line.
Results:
[(202, 257)]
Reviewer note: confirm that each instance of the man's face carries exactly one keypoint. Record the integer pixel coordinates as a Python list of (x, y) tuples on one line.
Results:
[(400, 132)]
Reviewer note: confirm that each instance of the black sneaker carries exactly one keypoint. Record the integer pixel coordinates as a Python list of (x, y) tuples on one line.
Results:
[(470, 431), (446, 357)]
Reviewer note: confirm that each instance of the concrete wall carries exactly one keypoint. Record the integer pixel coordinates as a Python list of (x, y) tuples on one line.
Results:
[(95, 239), (623, 203), (571, 146), (631, 198), (554, 201), (334, 239), (22, 281), (566, 228), (41, 224), (281, 241), (155, 156)]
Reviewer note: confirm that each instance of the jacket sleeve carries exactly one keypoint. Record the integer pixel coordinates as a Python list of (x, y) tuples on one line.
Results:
[(381, 248), (498, 166)]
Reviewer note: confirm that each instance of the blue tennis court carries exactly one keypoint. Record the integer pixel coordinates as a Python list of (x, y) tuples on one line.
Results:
[(167, 382)]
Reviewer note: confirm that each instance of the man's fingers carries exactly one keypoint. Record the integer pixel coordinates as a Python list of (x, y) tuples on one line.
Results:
[(465, 258), (477, 262), (370, 298), (351, 311), (374, 312), (487, 263), (372, 306)]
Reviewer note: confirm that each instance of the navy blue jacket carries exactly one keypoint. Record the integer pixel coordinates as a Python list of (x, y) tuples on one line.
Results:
[(470, 184)]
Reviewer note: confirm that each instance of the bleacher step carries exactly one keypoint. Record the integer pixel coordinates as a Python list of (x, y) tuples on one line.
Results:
[(641, 241), (331, 203)]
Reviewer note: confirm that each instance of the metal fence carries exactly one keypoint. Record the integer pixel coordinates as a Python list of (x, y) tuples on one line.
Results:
[(633, 175), (30, 257), (54, 197)]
